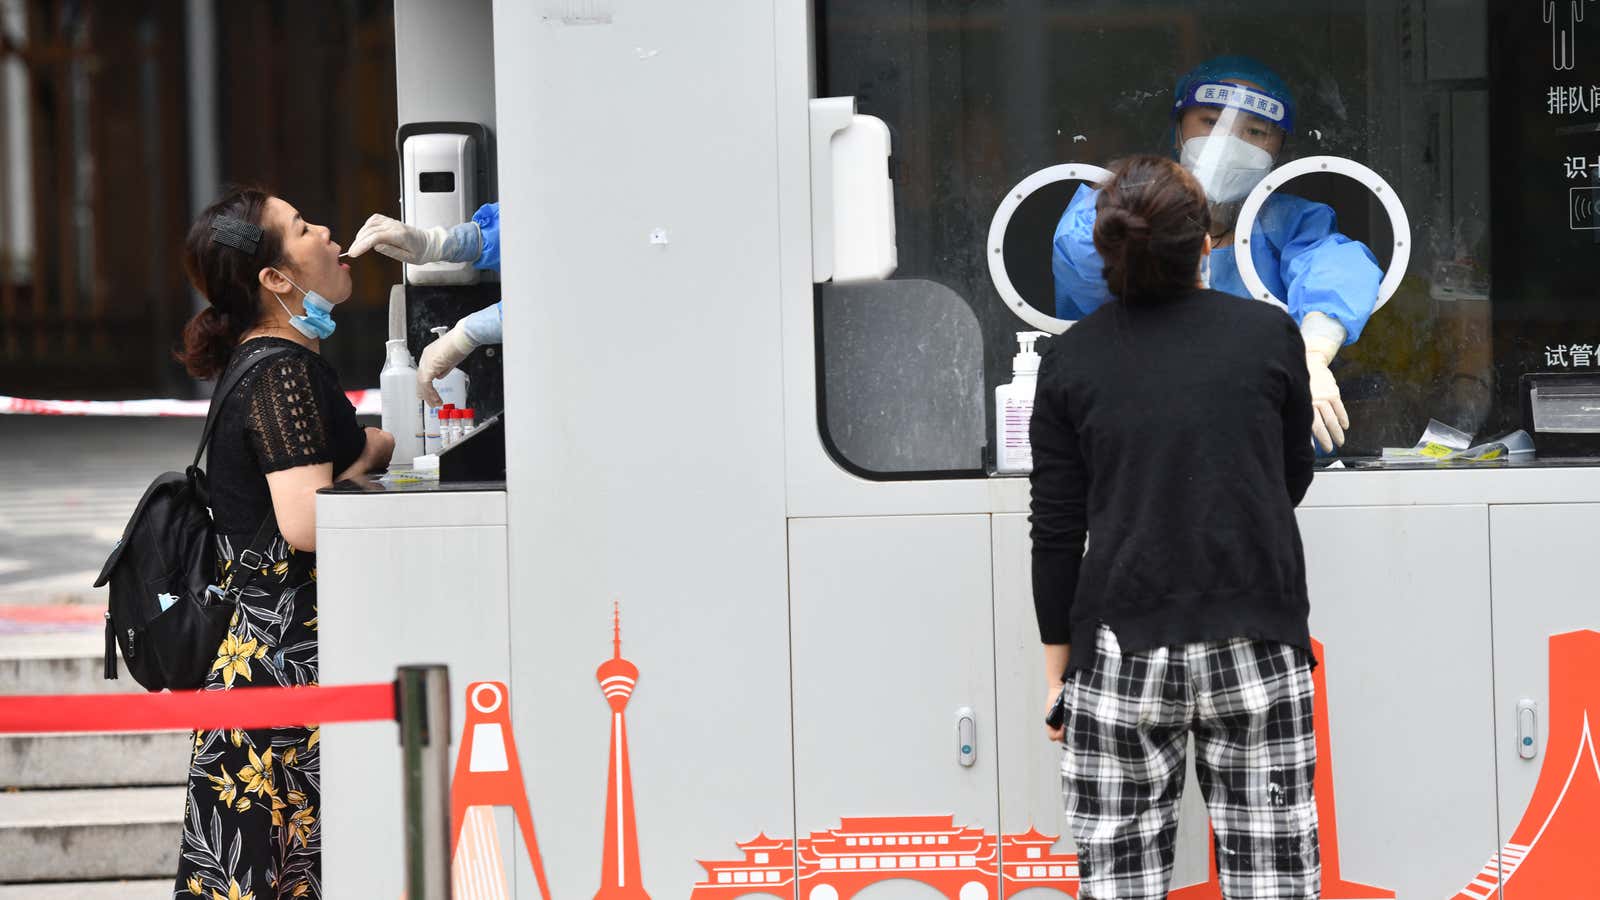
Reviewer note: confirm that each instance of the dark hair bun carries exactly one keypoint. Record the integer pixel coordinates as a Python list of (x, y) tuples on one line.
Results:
[(224, 272), (1151, 221), (1119, 225)]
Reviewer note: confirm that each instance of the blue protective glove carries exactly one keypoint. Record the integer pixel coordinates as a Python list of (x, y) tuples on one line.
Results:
[(487, 225)]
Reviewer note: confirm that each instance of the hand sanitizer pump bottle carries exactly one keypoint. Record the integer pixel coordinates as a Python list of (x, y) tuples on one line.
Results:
[(1013, 409)]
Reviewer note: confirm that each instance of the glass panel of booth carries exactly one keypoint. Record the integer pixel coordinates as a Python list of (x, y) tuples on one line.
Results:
[(1481, 119)]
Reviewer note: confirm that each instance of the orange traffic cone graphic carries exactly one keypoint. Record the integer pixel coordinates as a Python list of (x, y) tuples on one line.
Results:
[(488, 774), (478, 871)]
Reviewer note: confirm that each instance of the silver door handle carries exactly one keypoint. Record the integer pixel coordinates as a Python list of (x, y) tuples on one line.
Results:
[(1527, 729), (966, 736)]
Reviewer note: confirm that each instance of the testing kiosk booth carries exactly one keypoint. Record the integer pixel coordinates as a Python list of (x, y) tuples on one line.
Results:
[(827, 681)]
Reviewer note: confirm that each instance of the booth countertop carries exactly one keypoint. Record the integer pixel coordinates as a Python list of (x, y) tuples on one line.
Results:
[(368, 502), (367, 484)]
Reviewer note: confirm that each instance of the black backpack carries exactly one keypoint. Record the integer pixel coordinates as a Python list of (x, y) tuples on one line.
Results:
[(167, 558)]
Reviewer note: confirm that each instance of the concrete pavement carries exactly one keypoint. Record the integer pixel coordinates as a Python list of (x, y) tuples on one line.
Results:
[(67, 486)]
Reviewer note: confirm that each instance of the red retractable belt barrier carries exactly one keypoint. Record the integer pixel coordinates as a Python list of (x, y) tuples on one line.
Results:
[(203, 710)]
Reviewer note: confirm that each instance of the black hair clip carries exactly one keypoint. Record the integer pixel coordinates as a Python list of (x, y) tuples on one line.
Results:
[(236, 233)]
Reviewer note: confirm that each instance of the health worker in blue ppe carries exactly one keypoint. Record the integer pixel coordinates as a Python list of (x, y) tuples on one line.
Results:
[(476, 241), (1231, 117)]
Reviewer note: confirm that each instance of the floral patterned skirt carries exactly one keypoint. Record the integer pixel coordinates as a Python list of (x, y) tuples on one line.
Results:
[(251, 829)]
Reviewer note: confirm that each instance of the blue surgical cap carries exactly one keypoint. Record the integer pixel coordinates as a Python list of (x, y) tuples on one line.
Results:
[(1236, 68)]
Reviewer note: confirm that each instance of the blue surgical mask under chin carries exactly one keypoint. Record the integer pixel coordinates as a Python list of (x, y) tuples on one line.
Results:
[(317, 323)]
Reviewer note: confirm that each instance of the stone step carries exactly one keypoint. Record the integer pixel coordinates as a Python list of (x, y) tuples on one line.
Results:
[(59, 663), (90, 834), (33, 761), (157, 889)]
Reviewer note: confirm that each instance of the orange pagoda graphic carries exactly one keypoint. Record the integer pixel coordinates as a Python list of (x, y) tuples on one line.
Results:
[(1551, 852), (1334, 887), (619, 872), (961, 863)]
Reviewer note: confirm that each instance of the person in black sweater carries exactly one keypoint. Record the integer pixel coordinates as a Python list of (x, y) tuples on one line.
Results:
[(1169, 434)]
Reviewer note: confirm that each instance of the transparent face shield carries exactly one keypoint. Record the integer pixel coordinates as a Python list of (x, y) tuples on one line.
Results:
[(1230, 137)]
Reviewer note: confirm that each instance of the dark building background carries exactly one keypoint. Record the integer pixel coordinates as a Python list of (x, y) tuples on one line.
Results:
[(120, 118)]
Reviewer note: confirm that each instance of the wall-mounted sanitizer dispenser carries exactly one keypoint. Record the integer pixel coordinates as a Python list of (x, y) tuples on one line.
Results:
[(441, 174), (852, 195)]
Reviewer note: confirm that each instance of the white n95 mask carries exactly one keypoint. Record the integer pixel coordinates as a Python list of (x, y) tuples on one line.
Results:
[(1227, 167)]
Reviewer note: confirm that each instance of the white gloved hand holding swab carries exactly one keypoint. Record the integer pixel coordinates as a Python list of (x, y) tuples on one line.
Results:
[(397, 240)]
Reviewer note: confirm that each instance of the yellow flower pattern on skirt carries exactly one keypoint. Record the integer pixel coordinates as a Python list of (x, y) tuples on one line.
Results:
[(252, 823)]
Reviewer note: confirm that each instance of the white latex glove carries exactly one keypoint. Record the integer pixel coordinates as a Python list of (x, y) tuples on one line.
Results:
[(438, 358), (1324, 337), (397, 240)]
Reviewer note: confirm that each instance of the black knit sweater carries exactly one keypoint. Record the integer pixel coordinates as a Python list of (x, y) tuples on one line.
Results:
[(1176, 437)]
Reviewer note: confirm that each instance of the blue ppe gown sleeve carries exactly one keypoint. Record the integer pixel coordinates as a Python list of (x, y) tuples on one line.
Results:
[(1325, 271), (483, 326), (462, 243), (1075, 265), (477, 240), (487, 219)]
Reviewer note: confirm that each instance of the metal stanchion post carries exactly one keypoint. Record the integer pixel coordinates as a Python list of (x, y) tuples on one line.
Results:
[(423, 704)]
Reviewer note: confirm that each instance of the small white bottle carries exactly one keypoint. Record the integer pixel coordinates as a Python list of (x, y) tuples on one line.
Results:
[(468, 423), (402, 411), (1013, 409), (433, 425)]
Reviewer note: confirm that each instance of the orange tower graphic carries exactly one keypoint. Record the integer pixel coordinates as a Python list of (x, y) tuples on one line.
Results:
[(619, 873), (1551, 852), (1334, 887)]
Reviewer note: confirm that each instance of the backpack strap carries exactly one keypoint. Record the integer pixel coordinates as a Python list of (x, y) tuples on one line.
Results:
[(230, 379), (253, 560)]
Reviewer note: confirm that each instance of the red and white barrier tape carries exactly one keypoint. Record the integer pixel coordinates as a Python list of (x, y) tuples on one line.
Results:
[(367, 403), (267, 707)]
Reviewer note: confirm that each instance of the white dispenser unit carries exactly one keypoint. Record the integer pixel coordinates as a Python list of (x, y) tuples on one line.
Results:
[(1013, 409), (852, 195), (440, 175)]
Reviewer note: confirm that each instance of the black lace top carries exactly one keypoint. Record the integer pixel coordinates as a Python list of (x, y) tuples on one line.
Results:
[(288, 411)]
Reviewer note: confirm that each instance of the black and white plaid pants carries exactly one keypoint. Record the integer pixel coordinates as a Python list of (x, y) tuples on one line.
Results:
[(1249, 705)]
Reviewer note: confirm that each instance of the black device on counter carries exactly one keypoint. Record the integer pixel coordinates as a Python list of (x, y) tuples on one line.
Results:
[(1561, 410), (480, 456)]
